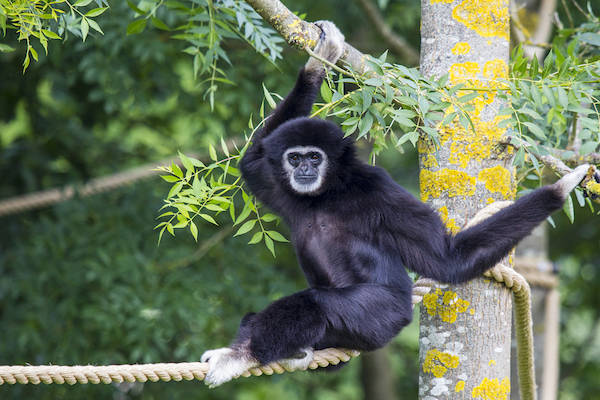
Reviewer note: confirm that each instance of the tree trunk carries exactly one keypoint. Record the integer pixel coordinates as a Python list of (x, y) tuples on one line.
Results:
[(376, 376), (465, 331)]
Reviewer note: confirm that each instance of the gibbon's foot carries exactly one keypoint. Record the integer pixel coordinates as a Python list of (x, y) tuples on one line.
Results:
[(567, 183), (329, 47), (592, 184), (224, 364), (301, 360)]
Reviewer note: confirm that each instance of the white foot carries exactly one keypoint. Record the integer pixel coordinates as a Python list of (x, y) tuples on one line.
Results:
[(299, 362), (567, 183), (224, 364), (329, 47)]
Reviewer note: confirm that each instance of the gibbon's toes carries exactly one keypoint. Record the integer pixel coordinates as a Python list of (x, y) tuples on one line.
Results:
[(331, 42), (592, 185), (567, 183), (225, 364), (206, 356), (300, 360)]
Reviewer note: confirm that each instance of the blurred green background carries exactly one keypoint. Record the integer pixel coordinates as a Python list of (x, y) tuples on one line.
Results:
[(84, 282)]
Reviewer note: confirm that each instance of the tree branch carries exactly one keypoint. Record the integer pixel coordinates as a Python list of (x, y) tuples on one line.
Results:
[(555, 163), (396, 43), (302, 34)]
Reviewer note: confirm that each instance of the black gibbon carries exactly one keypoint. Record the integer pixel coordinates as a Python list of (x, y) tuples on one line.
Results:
[(353, 229)]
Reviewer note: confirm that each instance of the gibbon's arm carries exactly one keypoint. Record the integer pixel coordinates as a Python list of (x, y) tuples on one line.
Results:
[(297, 103), (460, 258)]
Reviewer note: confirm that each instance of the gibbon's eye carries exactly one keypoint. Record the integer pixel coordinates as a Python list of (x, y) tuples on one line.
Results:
[(315, 157), (294, 157)]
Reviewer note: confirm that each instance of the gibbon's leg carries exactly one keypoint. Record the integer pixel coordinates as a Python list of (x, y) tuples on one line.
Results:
[(480, 247), (363, 317)]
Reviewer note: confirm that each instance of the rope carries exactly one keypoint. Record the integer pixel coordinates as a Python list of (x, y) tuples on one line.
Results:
[(169, 371), (148, 372), (48, 197), (522, 300), (321, 358)]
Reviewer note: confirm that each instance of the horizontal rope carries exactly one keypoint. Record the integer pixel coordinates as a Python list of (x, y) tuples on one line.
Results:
[(149, 372)]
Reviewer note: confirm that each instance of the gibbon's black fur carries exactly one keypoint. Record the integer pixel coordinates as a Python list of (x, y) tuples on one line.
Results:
[(353, 237)]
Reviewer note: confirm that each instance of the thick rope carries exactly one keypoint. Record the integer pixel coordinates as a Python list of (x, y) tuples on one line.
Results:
[(169, 371), (522, 300), (321, 358)]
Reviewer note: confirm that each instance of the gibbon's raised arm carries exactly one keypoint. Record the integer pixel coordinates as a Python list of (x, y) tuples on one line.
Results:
[(297, 103)]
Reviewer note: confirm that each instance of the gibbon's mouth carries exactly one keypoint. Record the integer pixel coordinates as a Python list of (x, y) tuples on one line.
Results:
[(304, 179)]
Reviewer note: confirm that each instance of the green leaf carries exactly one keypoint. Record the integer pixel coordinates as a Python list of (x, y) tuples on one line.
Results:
[(256, 238), (208, 218), (185, 161), (536, 130), (170, 178), (269, 217), (137, 26), (244, 214), (326, 93), (194, 230), (94, 25), (591, 38), (82, 3), (365, 124), (212, 152), (268, 97), (568, 209), (85, 28), (374, 82), (270, 245), (246, 227), (176, 170), (277, 236), (96, 11), (135, 8), (224, 148), (175, 189), (159, 24), (4, 48), (50, 34)]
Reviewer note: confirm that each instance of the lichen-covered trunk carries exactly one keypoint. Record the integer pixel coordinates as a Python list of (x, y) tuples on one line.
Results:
[(465, 331)]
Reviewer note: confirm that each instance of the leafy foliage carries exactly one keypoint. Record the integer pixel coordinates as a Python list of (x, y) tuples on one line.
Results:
[(207, 24), (41, 20)]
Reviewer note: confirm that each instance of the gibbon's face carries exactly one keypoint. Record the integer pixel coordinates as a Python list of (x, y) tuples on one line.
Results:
[(305, 167)]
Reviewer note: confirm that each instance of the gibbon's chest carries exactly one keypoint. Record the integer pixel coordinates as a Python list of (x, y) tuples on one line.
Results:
[(318, 239)]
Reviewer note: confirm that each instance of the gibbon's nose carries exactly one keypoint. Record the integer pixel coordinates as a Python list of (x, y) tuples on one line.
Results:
[(304, 168)]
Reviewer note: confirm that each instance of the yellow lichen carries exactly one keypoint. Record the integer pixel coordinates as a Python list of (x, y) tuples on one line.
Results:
[(438, 362), (492, 389), (449, 181), (498, 180), (593, 187), (489, 18), (475, 143), (492, 362), (441, 1), (460, 386), (449, 222), (472, 311), (461, 48), (490, 200), (449, 307)]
